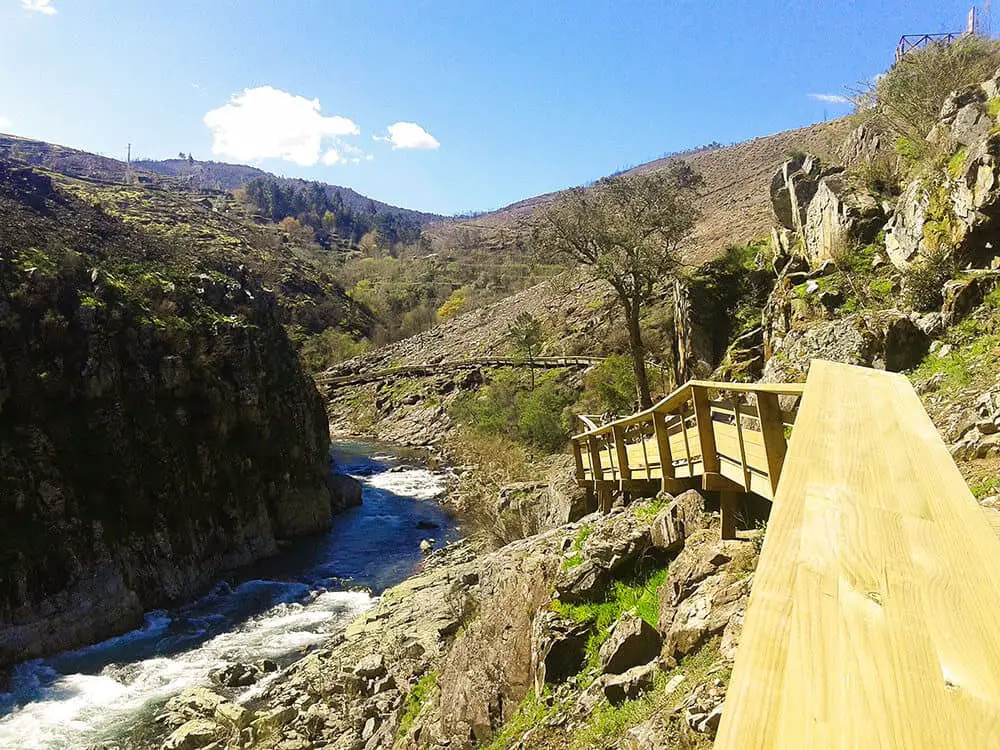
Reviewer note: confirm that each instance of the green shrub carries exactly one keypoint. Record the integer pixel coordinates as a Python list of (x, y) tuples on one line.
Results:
[(906, 101), (957, 162), (610, 387), (924, 278), (323, 350), (508, 407)]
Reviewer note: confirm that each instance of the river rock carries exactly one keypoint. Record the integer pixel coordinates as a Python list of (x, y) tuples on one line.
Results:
[(235, 714), (193, 735), (235, 675), (371, 666)]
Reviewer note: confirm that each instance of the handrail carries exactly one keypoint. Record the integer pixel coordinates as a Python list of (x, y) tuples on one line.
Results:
[(690, 437), (678, 396)]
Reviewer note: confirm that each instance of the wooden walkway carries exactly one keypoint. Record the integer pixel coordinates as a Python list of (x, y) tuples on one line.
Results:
[(332, 377), (874, 620), (874, 617), (716, 436)]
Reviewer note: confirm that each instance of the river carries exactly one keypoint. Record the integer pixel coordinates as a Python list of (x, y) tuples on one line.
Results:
[(275, 609)]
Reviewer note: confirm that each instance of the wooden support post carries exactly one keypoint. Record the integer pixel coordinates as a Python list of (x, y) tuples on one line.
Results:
[(706, 433), (687, 443), (773, 431), (645, 453), (739, 438), (727, 503), (578, 460), (663, 448), (621, 452), (596, 472)]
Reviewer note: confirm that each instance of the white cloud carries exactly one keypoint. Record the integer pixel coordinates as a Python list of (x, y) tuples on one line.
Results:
[(831, 98), (268, 123), (5, 122), (39, 6), (408, 135)]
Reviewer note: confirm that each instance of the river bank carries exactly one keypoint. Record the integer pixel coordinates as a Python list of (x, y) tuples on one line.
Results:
[(276, 609)]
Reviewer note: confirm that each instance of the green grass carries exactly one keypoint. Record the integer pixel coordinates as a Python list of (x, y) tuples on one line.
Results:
[(531, 712), (576, 551), (650, 510), (638, 593), (986, 487), (993, 107), (957, 162), (975, 342), (415, 701)]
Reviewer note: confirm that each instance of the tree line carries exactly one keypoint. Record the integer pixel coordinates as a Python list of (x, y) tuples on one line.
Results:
[(325, 212)]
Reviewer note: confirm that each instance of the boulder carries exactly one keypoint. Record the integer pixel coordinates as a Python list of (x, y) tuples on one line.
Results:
[(672, 525), (558, 648), (887, 340), (192, 735), (633, 642), (235, 714), (964, 294), (582, 582), (235, 675), (630, 684), (792, 187), (837, 216), (370, 666), (345, 492)]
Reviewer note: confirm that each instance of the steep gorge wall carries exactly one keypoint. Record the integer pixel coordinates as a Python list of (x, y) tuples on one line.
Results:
[(155, 424)]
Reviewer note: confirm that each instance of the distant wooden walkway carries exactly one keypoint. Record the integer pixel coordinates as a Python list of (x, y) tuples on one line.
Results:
[(332, 378), (874, 617), (716, 436)]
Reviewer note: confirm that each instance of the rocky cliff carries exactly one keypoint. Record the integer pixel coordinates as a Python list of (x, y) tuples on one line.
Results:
[(155, 424)]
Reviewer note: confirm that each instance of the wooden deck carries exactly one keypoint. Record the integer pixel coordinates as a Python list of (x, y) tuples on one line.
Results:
[(717, 436), (874, 619)]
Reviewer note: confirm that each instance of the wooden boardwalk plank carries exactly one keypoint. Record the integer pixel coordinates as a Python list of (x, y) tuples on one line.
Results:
[(874, 620)]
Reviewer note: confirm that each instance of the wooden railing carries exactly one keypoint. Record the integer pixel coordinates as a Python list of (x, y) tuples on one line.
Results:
[(719, 436), (332, 378)]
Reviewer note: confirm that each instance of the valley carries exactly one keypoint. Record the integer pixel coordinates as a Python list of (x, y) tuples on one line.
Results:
[(664, 460)]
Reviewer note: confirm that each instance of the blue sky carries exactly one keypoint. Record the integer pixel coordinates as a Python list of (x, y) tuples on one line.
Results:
[(492, 101)]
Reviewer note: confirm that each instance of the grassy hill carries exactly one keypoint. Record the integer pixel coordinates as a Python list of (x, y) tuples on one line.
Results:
[(734, 202)]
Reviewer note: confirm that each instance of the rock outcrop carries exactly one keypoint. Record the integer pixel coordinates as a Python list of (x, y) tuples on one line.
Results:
[(956, 208), (155, 425), (816, 204)]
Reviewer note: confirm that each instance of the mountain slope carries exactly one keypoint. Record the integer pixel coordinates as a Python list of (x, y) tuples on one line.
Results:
[(735, 202), (179, 173)]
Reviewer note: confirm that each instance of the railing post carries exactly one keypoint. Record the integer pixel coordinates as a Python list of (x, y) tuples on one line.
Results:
[(578, 460), (706, 433), (663, 446), (621, 452), (596, 472), (773, 431)]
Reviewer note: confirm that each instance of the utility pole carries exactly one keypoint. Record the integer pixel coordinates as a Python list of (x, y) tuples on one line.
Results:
[(128, 166)]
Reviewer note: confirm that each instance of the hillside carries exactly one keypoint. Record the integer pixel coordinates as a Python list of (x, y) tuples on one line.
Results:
[(735, 202), (157, 425), (179, 173), (215, 175)]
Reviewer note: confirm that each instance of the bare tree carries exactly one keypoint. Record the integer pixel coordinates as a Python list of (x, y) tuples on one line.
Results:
[(630, 231)]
